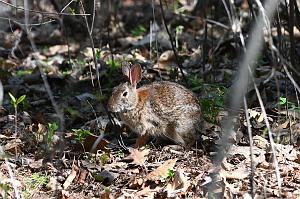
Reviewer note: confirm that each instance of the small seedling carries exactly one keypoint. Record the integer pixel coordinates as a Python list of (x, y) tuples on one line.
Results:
[(52, 129), (104, 158), (98, 54), (139, 30), (120, 154), (114, 65), (170, 174), (15, 102), (81, 134), (290, 105), (5, 188), (23, 72), (33, 183), (179, 30), (213, 101)]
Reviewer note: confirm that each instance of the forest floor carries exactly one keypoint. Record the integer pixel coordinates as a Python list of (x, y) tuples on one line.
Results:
[(42, 160)]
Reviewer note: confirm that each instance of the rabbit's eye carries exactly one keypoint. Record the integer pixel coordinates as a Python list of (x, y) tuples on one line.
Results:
[(125, 94)]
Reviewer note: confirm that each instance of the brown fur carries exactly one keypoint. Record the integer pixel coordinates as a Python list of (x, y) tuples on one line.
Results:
[(160, 109)]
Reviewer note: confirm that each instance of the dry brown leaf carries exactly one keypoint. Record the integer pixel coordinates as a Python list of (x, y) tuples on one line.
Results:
[(138, 156), (82, 176), (146, 192), (180, 182), (53, 184), (162, 170), (136, 182), (92, 144), (71, 177), (62, 49), (239, 173), (14, 146), (36, 164)]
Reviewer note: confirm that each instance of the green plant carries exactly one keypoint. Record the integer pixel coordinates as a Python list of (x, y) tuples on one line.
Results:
[(15, 102), (176, 7), (98, 54), (104, 158), (75, 63), (23, 72), (113, 64), (81, 134), (170, 174), (52, 128), (290, 105), (196, 83), (33, 183), (120, 154), (5, 188), (179, 30), (213, 99), (139, 30)]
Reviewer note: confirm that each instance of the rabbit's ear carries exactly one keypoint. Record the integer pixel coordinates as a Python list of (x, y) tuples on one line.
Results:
[(126, 69), (135, 74)]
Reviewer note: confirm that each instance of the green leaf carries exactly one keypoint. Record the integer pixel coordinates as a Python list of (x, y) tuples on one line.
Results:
[(20, 99), (13, 99), (171, 173), (282, 100), (52, 127)]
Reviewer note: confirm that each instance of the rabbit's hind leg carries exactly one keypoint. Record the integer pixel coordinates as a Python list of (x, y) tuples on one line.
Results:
[(181, 133)]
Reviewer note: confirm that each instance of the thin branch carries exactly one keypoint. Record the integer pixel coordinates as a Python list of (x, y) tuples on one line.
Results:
[(32, 24), (172, 42), (41, 12), (40, 64), (272, 144), (251, 148), (65, 7), (239, 88)]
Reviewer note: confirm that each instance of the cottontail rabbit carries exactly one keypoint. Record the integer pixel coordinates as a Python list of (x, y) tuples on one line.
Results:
[(159, 109)]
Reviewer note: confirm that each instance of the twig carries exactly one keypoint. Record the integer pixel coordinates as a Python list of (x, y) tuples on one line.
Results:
[(172, 42), (272, 144), (40, 64), (90, 32), (251, 147), (67, 5), (11, 174), (155, 35), (1, 93), (291, 24), (32, 24), (41, 12), (239, 88)]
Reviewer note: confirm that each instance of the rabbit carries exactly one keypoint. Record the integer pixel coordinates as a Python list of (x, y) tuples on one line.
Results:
[(159, 109)]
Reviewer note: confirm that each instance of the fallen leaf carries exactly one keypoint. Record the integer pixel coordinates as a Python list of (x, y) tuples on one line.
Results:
[(62, 49), (161, 171), (53, 184), (180, 182), (14, 146), (82, 176), (71, 177), (138, 156), (36, 164), (146, 192)]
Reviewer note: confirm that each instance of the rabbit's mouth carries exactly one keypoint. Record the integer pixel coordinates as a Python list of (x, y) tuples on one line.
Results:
[(121, 109), (118, 110)]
